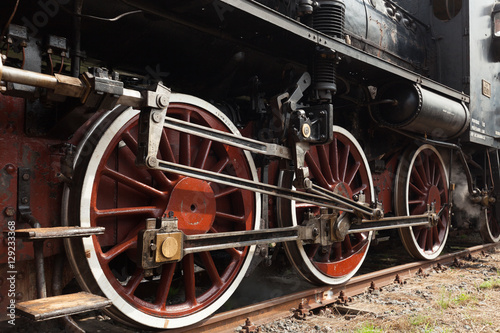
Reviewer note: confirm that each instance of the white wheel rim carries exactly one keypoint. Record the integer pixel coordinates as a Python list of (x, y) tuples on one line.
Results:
[(121, 304)]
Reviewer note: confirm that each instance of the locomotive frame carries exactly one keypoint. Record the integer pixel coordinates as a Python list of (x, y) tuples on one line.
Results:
[(170, 192)]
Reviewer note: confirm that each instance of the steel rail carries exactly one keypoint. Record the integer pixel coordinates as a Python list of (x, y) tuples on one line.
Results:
[(321, 296)]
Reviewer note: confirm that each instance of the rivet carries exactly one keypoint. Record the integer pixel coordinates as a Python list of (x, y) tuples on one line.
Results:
[(10, 168), (10, 211)]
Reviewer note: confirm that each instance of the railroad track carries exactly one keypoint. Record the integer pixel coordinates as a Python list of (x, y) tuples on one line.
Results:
[(314, 298)]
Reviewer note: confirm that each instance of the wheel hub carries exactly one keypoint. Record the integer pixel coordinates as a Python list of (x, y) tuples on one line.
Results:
[(342, 189), (434, 197), (193, 202)]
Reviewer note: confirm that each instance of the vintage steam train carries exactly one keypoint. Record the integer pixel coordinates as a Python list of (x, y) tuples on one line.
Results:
[(164, 146)]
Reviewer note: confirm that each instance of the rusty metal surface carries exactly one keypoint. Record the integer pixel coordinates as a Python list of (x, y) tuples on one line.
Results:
[(58, 232), (311, 299), (59, 306)]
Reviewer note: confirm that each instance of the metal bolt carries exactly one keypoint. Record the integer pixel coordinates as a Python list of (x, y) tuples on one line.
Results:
[(152, 162), (162, 101), (152, 246), (24, 200), (10, 168), (10, 211), (156, 117), (355, 197), (315, 232), (26, 176)]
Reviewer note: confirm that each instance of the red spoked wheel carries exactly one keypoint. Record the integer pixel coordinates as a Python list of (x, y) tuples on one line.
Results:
[(490, 227), (422, 180), (340, 167), (111, 191)]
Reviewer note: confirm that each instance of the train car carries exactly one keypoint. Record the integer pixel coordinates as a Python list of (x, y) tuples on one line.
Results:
[(162, 148)]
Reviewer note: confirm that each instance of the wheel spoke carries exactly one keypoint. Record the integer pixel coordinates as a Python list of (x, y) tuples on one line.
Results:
[(147, 211), (352, 173), (438, 179), (435, 235), (417, 179), (132, 183), (344, 162), (359, 189), (207, 260), (433, 173), (338, 250), (325, 165), (201, 158), (220, 165), (422, 238), (226, 191), (235, 254), (119, 249), (134, 281), (167, 275), (334, 159), (316, 172), (416, 190), (427, 168), (347, 244), (428, 241), (419, 165), (158, 176), (166, 148), (230, 217), (189, 279), (185, 145)]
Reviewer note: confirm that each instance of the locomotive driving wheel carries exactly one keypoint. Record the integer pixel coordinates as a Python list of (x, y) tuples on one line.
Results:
[(421, 180), (490, 227), (110, 190), (340, 167)]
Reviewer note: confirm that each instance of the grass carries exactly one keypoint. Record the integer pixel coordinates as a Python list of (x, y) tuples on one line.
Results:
[(490, 284), (425, 323), (368, 328), (461, 299)]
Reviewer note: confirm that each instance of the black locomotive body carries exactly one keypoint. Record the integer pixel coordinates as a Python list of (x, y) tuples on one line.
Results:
[(162, 146)]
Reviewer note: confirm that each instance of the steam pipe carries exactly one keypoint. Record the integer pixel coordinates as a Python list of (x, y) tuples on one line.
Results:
[(77, 38)]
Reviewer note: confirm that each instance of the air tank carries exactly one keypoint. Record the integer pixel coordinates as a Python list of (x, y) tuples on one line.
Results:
[(410, 107)]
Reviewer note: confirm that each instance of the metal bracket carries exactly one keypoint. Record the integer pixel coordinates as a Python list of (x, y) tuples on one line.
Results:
[(151, 122)]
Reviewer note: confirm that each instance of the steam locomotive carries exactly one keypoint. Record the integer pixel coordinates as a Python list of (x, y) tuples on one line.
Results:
[(163, 148)]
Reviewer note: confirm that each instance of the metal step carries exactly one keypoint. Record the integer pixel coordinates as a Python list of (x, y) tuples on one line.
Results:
[(57, 232), (60, 306)]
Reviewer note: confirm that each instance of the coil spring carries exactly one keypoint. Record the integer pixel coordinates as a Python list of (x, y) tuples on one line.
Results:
[(328, 18), (325, 73)]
